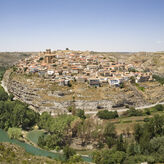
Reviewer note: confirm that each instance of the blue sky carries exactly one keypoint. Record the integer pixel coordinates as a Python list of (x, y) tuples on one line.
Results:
[(100, 25)]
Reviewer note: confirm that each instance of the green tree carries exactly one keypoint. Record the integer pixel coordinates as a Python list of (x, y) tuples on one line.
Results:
[(132, 80), (105, 114), (75, 126), (107, 156), (3, 94), (110, 134), (44, 120), (14, 133), (80, 113), (138, 132), (11, 97), (68, 152), (159, 107), (75, 159), (159, 79), (120, 145), (155, 126)]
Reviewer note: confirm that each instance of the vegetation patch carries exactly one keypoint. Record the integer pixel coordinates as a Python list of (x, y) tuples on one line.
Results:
[(34, 135), (140, 87), (11, 153), (105, 114), (2, 71), (159, 79), (133, 112)]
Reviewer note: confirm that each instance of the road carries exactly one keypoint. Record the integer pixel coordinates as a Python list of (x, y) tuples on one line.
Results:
[(118, 110), (95, 112)]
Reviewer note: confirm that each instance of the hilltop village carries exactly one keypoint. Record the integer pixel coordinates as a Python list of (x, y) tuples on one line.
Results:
[(64, 66)]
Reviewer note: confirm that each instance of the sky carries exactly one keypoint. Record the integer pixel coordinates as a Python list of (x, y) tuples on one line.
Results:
[(95, 25)]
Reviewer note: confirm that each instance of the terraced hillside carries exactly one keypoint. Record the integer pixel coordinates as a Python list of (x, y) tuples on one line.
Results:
[(46, 95)]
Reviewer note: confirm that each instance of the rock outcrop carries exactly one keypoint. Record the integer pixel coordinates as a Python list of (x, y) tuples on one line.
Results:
[(30, 96), (54, 101)]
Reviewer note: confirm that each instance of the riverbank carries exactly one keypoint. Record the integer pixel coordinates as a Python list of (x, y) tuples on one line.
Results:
[(33, 150)]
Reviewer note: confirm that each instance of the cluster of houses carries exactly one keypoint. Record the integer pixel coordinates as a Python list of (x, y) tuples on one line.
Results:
[(64, 66)]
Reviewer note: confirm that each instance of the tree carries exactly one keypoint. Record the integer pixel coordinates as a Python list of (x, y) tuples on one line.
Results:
[(1, 107), (130, 149), (3, 94), (120, 146), (138, 131), (159, 107), (68, 152), (155, 125), (105, 114), (132, 80), (44, 120), (110, 134), (41, 141), (16, 114), (133, 112), (11, 97), (14, 133), (75, 126), (157, 145), (96, 156), (75, 159), (109, 130), (107, 156), (159, 79), (80, 113)]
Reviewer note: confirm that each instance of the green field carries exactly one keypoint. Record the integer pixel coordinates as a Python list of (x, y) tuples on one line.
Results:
[(34, 135)]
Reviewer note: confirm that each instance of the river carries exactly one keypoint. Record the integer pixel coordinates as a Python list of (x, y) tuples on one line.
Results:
[(34, 150)]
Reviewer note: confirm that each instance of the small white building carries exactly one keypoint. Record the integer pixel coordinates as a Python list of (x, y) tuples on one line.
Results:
[(114, 82), (50, 72)]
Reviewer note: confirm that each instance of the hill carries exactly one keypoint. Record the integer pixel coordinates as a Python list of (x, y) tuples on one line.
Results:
[(11, 58), (10, 153)]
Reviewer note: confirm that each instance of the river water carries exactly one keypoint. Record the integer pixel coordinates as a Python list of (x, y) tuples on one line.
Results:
[(34, 150)]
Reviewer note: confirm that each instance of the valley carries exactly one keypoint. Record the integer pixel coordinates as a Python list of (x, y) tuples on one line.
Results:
[(67, 118)]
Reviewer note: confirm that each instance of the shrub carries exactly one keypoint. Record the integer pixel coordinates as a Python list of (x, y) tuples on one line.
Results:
[(14, 133), (147, 111), (3, 94), (159, 107), (80, 113), (122, 85), (69, 109), (133, 112), (2, 71), (41, 58), (146, 119), (68, 152), (159, 79), (54, 141), (75, 159), (105, 114)]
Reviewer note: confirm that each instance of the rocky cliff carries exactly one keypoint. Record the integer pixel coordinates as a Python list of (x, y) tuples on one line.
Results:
[(43, 97), (30, 96)]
